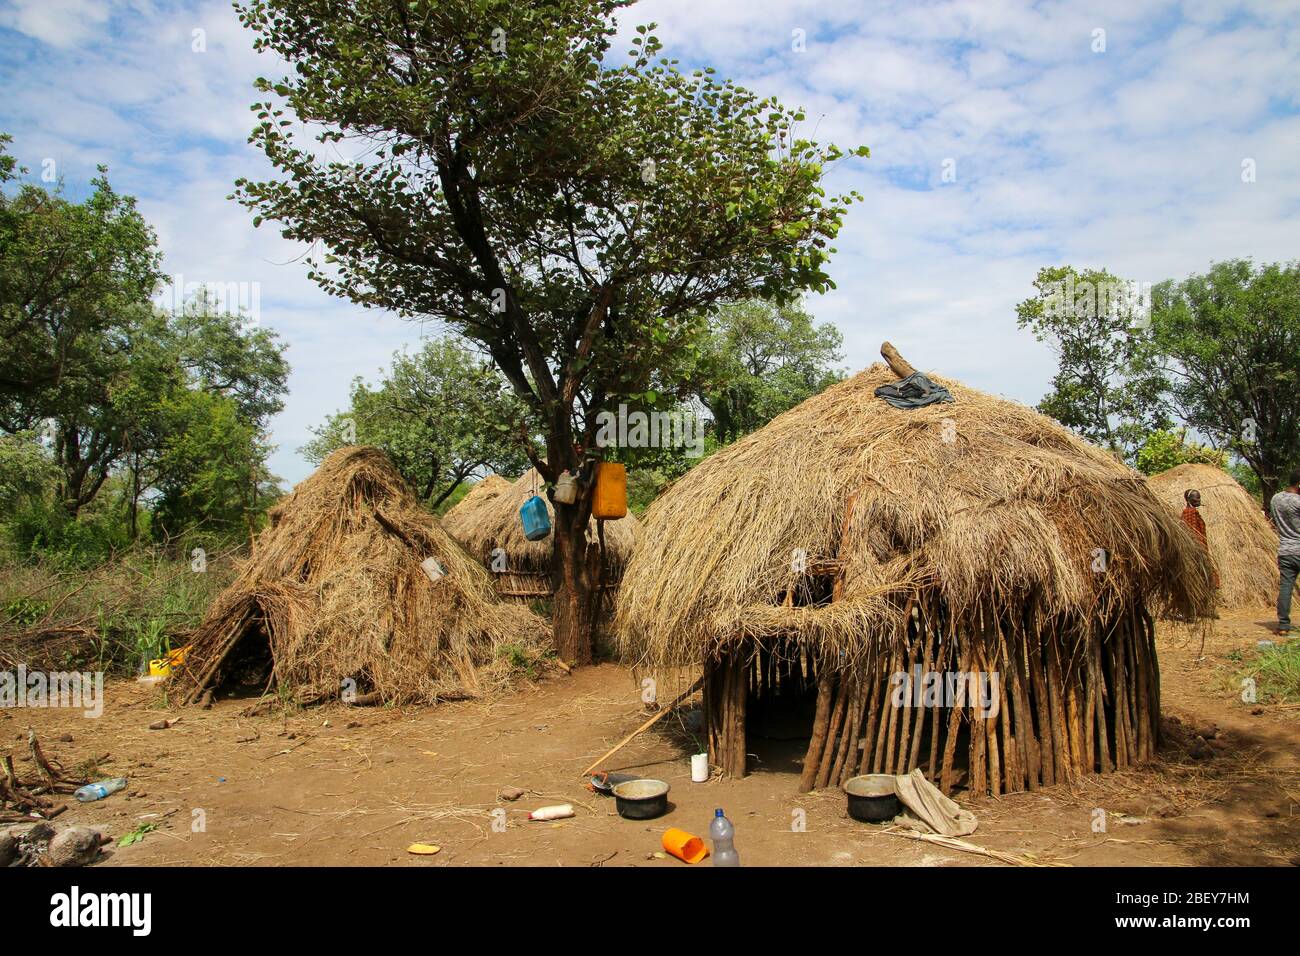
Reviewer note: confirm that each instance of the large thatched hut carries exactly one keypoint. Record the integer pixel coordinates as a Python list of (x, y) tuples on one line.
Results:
[(965, 586), (489, 528), (355, 589), (1242, 542)]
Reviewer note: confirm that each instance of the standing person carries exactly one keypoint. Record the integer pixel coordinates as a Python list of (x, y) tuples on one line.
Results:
[(1192, 518), (1285, 508)]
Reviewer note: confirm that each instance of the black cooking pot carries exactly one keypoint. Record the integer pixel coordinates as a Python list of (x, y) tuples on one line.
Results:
[(641, 799), (873, 798)]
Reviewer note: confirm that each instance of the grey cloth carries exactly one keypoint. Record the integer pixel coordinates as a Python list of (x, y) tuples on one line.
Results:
[(915, 391), (1286, 517), (1288, 566)]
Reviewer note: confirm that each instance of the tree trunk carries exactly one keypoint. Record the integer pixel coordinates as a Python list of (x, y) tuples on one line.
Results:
[(1268, 486), (575, 576)]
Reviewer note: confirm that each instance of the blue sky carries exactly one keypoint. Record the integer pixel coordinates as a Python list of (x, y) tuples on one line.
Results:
[(1128, 156)]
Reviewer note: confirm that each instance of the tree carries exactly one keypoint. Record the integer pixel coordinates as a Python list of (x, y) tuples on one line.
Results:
[(760, 359), (1230, 342), (114, 385), (74, 277), (442, 415), (573, 216), (210, 468), (26, 470), (1165, 448), (1106, 386)]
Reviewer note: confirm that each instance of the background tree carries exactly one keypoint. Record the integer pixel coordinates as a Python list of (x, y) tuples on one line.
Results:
[(1165, 448), (573, 216), (443, 415), (759, 359), (120, 391), (210, 468), (1230, 344), (1106, 388)]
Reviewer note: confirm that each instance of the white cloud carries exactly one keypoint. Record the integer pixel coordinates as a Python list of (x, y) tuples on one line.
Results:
[(1128, 159)]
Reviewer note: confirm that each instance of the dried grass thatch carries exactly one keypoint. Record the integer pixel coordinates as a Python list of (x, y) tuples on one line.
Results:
[(334, 590), (847, 543), (1242, 542), (493, 522), (1013, 505), (462, 516)]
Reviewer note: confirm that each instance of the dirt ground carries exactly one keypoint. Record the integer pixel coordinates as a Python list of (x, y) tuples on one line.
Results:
[(356, 786)]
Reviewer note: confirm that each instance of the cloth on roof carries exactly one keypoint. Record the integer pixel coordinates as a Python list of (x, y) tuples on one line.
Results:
[(915, 391), (927, 810)]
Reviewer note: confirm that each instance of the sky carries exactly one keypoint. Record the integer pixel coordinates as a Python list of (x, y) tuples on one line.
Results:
[(1148, 138)]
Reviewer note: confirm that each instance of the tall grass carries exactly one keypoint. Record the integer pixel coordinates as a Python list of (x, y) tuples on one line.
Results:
[(115, 616)]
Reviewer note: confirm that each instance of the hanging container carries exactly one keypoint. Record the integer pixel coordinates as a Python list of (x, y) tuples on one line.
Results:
[(537, 523), (610, 500), (566, 489)]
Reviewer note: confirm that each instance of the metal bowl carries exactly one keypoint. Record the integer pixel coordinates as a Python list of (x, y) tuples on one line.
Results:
[(873, 798), (641, 799)]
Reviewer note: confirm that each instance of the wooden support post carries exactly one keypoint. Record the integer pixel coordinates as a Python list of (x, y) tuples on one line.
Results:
[(725, 687), (821, 724)]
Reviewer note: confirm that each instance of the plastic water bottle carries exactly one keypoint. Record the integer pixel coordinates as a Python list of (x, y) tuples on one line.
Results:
[(99, 790), (723, 835)]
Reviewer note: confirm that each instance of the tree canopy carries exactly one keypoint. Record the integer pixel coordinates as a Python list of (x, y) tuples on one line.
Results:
[(1105, 387), (490, 165), (443, 415), (1229, 340)]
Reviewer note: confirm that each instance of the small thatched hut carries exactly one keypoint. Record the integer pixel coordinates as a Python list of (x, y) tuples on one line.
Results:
[(464, 515), (1242, 542), (340, 597), (490, 530), (965, 578)]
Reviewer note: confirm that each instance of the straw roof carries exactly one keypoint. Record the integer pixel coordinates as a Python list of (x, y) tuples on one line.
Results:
[(493, 522), (335, 590), (983, 503), (462, 516), (1242, 542)]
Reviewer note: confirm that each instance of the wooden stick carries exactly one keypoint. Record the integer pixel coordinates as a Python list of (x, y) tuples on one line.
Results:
[(821, 723), (954, 721), (628, 739), (827, 761), (897, 364), (48, 773), (1037, 675), (954, 844)]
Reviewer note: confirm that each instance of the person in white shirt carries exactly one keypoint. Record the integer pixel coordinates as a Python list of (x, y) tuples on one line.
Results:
[(1285, 508)]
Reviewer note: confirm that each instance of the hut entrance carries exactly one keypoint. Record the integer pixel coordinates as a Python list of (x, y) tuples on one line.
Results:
[(760, 703), (247, 669)]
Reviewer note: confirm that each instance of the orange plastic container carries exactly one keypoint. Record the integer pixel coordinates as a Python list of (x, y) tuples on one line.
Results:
[(685, 846), (610, 497)]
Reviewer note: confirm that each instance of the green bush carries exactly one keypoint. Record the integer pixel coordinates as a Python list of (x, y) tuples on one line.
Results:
[(44, 531)]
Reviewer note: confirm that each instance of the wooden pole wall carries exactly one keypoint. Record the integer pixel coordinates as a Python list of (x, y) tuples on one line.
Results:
[(1070, 700)]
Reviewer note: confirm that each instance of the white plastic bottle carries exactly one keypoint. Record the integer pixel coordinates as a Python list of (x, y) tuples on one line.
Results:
[(723, 835)]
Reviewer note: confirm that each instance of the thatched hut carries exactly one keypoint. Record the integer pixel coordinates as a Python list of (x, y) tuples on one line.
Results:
[(490, 530), (962, 583), (465, 514), (340, 598), (1242, 542)]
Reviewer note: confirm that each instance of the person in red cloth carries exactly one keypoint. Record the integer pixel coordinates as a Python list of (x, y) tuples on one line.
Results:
[(1192, 518)]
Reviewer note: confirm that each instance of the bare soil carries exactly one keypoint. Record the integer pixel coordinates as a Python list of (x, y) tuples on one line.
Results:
[(344, 786)]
